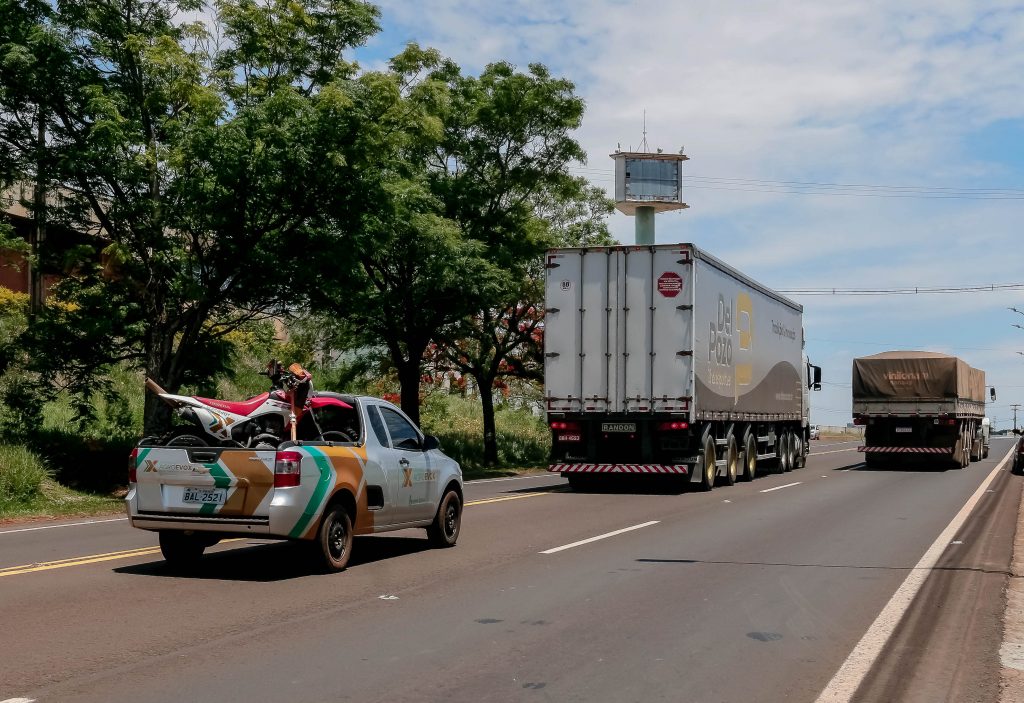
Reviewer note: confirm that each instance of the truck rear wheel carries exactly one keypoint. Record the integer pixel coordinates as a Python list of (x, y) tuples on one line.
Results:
[(732, 461), (784, 448), (180, 549), (749, 457), (706, 464), (334, 538), (799, 451)]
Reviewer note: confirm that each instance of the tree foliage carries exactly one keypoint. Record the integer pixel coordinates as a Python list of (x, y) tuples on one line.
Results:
[(204, 156)]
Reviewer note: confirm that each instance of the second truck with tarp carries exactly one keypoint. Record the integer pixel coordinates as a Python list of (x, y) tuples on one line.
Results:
[(919, 404)]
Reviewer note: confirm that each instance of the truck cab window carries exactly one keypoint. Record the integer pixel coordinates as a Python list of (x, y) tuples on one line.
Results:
[(403, 434)]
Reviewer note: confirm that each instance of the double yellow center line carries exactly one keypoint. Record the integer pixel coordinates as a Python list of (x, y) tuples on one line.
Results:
[(147, 551)]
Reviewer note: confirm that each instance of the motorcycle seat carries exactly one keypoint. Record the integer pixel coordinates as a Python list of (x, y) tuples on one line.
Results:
[(243, 408)]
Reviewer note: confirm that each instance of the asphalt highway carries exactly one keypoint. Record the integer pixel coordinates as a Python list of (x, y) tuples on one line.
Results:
[(766, 591)]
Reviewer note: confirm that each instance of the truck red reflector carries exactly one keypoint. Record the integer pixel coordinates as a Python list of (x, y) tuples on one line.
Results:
[(674, 425), (562, 425), (133, 464), (287, 466), (859, 421)]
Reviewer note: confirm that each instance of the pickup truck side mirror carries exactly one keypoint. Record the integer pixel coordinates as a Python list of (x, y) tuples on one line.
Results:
[(431, 442)]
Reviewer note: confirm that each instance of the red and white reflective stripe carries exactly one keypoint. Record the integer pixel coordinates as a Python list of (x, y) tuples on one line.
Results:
[(619, 468), (907, 450)]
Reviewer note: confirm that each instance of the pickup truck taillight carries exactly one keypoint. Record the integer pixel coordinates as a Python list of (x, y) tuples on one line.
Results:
[(286, 469), (133, 462)]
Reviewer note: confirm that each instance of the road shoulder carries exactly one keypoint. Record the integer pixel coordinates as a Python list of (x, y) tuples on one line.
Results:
[(1012, 650)]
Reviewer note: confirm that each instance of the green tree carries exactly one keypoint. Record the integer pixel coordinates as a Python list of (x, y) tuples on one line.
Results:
[(204, 160), (505, 340), (502, 164)]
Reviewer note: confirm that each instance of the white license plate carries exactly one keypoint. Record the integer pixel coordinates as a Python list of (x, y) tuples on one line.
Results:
[(618, 427), (904, 430), (217, 496)]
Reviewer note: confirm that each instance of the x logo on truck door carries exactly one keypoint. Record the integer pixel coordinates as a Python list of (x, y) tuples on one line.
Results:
[(406, 478)]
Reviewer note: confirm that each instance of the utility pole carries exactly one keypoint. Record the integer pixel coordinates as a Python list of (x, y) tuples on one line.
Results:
[(1015, 406)]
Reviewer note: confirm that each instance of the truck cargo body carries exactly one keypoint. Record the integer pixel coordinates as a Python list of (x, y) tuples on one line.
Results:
[(919, 404), (653, 351)]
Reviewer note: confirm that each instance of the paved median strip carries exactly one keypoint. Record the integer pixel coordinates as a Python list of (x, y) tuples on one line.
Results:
[(606, 535)]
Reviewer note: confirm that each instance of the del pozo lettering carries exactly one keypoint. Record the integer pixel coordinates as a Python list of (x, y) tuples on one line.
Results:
[(720, 340)]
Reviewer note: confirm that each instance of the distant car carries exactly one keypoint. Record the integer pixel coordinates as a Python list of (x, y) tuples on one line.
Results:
[(815, 432)]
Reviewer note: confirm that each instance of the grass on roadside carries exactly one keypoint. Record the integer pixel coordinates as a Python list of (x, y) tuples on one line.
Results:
[(26, 489)]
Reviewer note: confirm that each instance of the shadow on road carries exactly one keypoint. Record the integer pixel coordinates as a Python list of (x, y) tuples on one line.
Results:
[(278, 561)]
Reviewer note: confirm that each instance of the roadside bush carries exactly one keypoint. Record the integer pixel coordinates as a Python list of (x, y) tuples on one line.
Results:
[(523, 439), (21, 475)]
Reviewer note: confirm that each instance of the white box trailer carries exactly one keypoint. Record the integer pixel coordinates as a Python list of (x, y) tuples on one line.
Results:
[(663, 359)]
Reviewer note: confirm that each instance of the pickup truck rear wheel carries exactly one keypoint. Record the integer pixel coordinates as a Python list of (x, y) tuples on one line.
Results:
[(444, 531), (180, 549), (334, 539)]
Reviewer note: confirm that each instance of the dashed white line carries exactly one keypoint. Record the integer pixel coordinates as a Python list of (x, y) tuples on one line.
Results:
[(604, 536), (506, 478), (19, 700), (53, 527), (847, 680), (779, 488), (834, 451)]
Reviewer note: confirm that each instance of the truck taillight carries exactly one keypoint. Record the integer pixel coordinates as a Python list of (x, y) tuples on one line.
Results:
[(133, 462), (287, 466), (562, 425), (673, 426), (860, 421)]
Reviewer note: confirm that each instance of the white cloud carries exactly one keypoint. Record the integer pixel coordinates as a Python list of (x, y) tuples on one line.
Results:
[(877, 92)]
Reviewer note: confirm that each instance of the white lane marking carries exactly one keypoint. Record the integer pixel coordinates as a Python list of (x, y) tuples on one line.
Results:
[(834, 451), (779, 488), (19, 700), (847, 680), (53, 527), (604, 536)]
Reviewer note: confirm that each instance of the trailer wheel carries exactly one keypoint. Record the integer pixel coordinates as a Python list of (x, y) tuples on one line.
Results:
[(799, 455), (749, 457), (784, 448), (706, 462), (732, 461), (958, 453)]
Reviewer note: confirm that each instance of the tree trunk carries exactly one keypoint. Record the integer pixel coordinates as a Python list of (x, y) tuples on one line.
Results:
[(156, 413), (490, 435), (409, 380)]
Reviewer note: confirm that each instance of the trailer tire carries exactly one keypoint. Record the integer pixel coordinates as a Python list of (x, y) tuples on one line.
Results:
[(784, 448), (799, 453), (579, 482), (749, 458), (706, 464), (732, 461)]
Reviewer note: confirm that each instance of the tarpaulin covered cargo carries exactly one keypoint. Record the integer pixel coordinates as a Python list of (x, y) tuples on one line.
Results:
[(916, 376)]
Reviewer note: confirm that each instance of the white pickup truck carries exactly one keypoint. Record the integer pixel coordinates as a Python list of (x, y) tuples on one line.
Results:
[(390, 477)]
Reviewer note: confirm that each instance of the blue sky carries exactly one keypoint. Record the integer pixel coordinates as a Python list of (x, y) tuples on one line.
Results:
[(898, 93)]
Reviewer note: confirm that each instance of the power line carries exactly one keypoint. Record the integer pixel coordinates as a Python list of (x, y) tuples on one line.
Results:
[(914, 290)]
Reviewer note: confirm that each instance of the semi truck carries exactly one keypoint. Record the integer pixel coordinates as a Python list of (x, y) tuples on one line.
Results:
[(919, 404), (663, 360)]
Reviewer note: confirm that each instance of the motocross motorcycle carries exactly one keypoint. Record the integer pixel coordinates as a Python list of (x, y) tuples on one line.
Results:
[(263, 421)]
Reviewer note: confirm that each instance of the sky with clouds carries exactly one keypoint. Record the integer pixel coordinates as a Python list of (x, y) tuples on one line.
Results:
[(903, 93)]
